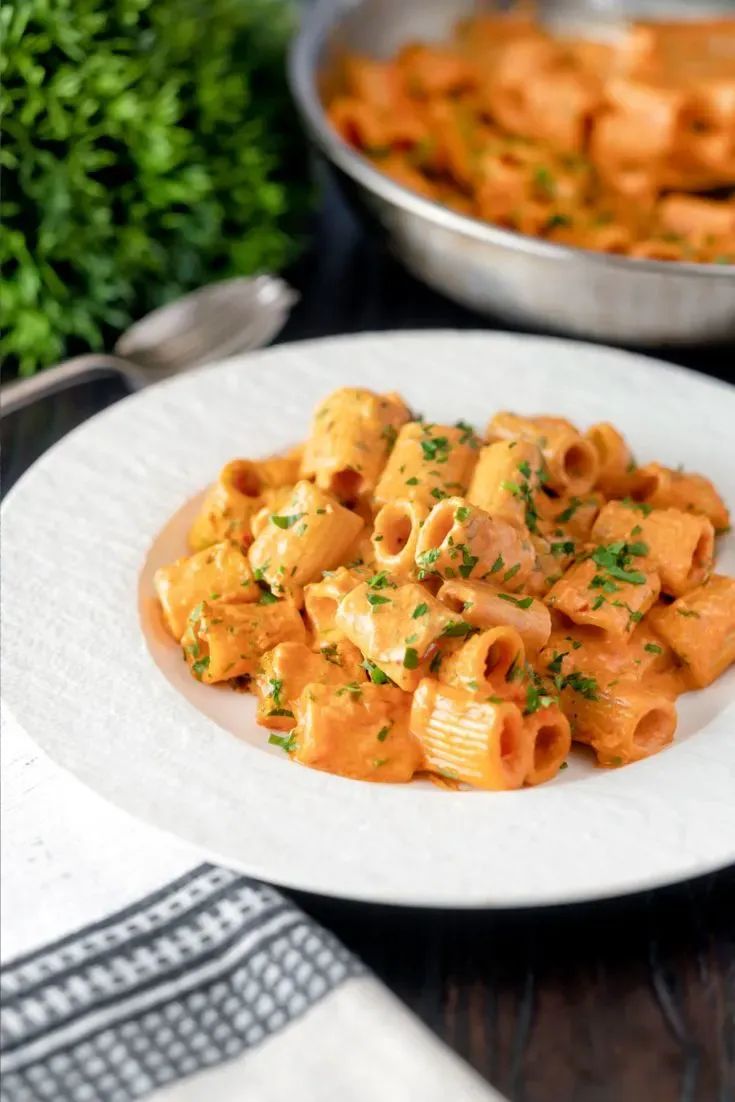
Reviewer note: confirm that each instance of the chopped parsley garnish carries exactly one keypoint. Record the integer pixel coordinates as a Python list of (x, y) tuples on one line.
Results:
[(544, 182), (523, 492), (519, 602), (353, 688), (557, 220), (511, 573), (276, 686), (564, 547), (468, 434), (639, 505), (469, 562), (515, 671), (653, 648), (383, 734), (375, 600), (633, 616), (457, 628), (535, 699), (267, 598), (286, 521), (598, 602), (389, 434), (565, 516), (420, 610), (196, 613), (426, 560), (554, 665), (436, 662), (286, 742), (281, 712), (473, 686), (688, 612), (525, 468), (381, 581), (412, 481), (411, 658), (436, 449), (580, 683), (599, 581), (376, 675), (497, 565), (461, 514), (439, 494), (329, 651), (615, 559), (199, 667)]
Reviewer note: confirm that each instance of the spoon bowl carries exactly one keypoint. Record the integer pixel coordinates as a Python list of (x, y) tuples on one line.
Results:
[(210, 324)]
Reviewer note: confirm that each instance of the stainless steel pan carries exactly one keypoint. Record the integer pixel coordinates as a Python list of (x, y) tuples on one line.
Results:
[(498, 272)]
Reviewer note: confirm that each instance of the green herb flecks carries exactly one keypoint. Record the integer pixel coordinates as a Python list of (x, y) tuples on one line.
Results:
[(286, 742)]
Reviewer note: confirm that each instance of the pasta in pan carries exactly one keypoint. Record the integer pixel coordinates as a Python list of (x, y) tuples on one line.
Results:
[(621, 146), (406, 598)]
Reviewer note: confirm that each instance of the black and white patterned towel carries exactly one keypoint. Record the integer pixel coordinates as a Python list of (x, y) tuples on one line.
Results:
[(214, 988)]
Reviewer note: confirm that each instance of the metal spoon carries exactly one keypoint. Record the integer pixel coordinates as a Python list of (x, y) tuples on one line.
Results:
[(235, 315)]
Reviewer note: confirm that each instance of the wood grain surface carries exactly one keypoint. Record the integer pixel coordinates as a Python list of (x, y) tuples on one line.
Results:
[(619, 1001)]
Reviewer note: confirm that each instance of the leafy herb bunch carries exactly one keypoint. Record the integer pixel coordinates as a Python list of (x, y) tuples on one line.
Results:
[(150, 146)]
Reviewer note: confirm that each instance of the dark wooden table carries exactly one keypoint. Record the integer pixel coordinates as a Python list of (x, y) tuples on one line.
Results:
[(620, 1001)]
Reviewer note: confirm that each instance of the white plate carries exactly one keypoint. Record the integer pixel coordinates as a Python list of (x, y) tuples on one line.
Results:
[(90, 676)]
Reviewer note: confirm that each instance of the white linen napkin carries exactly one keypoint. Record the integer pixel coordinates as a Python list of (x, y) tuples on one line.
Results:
[(133, 970)]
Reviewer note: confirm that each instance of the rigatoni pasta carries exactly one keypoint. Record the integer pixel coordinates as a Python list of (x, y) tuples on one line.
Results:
[(409, 599), (608, 145), (352, 435), (428, 462)]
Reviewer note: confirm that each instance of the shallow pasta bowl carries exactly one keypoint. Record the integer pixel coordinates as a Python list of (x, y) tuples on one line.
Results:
[(89, 672), (498, 272)]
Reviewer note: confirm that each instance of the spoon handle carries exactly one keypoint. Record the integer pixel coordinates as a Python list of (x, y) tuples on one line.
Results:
[(22, 392)]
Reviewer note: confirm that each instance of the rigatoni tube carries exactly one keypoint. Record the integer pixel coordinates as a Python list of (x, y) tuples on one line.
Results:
[(700, 627), (220, 573), (428, 462), (395, 535), (485, 663), (664, 488), (622, 724), (226, 641), (352, 434), (589, 595), (507, 480), (616, 473), (550, 741), (397, 628), (358, 731), (484, 606), (571, 460), (310, 533), (470, 739), (458, 540), (229, 505), (679, 545), (284, 673)]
